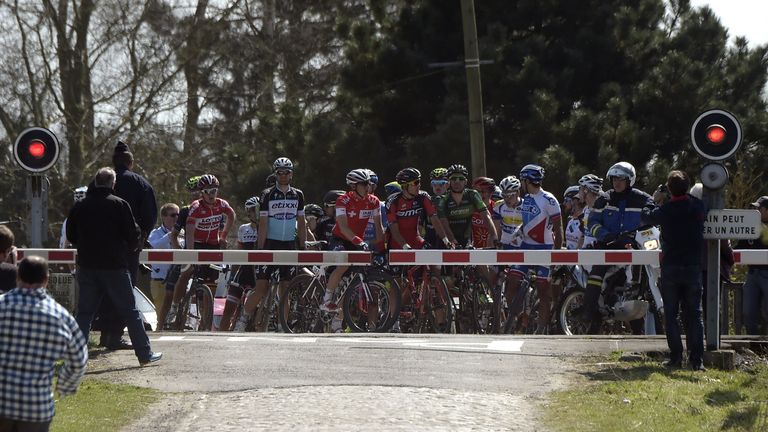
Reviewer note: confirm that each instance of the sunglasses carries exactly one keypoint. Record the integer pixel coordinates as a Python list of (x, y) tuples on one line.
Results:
[(509, 194), (211, 191), (458, 179), (172, 215), (412, 183), (439, 182), (283, 173), (364, 183)]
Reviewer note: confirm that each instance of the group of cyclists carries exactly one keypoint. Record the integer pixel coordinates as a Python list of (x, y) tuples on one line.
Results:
[(515, 214)]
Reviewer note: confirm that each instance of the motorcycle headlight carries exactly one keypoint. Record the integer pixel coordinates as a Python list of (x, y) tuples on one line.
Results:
[(651, 244)]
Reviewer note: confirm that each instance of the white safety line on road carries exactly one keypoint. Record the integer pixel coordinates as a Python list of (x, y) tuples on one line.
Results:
[(493, 345)]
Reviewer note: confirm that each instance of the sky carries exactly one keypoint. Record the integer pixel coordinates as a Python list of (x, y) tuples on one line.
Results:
[(741, 17)]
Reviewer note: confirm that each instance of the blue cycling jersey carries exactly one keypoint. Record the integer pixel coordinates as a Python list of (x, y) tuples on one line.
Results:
[(282, 209)]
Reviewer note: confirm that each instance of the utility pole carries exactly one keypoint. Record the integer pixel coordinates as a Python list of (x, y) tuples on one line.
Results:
[(474, 89)]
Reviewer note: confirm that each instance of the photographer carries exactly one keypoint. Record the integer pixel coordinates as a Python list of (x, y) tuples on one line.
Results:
[(682, 243)]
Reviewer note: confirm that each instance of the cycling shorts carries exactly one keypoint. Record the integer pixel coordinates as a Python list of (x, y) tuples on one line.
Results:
[(287, 272), (542, 272)]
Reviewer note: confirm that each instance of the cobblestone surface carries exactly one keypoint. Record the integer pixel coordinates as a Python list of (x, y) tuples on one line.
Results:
[(338, 408)]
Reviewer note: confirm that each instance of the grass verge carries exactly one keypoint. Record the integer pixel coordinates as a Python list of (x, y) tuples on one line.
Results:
[(101, 406), (643, 395)]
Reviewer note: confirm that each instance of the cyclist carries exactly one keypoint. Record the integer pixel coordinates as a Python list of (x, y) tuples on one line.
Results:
[(617, 212), (590, 189), (507, 217), (370, 233), (406, 208), (486, 187), (281, 224), (353, 210), (326, 223), (312, 213), (574, 227), (458, 205), (439, 182), (177, 279), (392, 187), (541, 230), (247, 235)]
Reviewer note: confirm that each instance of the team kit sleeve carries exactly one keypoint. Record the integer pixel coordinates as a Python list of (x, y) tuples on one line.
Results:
[(477, 201), (429, 208), (300, 209), (391, 208)]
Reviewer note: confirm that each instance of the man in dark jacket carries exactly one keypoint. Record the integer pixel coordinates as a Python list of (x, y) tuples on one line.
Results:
[(755, 302), (682, 243), (102, 228)]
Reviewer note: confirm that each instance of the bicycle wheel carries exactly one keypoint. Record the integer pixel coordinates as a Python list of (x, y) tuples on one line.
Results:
[(196, 311), (303, 311), (265, 310), (440, 307), (374, 309), (498, 309), (569, 314)]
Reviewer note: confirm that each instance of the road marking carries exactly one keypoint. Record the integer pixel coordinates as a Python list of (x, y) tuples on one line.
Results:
[(493, 345)]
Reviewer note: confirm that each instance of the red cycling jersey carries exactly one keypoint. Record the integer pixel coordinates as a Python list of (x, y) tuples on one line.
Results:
[(407, 213), (479, 231), (206, 221), (358, 211)]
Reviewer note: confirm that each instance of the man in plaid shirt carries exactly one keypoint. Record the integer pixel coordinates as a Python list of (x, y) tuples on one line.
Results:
[(35, 333)]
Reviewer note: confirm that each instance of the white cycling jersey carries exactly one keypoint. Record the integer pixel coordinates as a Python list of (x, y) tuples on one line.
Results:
[(247, 234), (510, 220), (574, 231)]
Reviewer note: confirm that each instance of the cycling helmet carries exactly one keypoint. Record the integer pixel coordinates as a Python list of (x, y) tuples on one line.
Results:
[(407, 175), (313, 210), (438, 174), (457, 169), (358, 176), (496, 194), (591, 182), (392, 187), (282, 163), (510, 184), (623, 170), (532, 173), (80, 193), (571, 192), (271, 180), (252, 203), (373, 177), (207, 181), (331, 196), (485, 184), (192, 183)]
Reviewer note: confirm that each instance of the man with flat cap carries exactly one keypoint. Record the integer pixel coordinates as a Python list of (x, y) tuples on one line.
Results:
[(755, 291)]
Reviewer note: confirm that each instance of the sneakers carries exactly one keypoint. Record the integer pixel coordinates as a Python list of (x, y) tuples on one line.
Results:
[(672, 364), (153, 357), (242, 323), (329, 306), (171, 317), (396, 327)]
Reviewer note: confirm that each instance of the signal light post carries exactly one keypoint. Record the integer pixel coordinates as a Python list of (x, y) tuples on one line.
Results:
[(36, 150), (716, 135)]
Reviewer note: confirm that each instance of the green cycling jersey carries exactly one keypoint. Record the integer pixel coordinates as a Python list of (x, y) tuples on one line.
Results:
[(459, 214)]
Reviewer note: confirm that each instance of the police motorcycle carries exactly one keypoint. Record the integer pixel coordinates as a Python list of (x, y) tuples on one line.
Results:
[(629, 293)]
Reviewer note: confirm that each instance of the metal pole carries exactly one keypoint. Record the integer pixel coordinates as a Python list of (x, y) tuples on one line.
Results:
[(715, 201), (474, 88), (35, 192)]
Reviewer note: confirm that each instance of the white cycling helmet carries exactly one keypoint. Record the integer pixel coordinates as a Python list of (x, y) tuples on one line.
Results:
[(282, 163), (592, 183), (571, 192), (80, 193), (509, 184), (359, 175), (623, 170), (252, 203)]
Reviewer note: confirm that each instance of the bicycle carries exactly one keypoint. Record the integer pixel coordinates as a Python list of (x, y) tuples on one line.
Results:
[(429, 307), (370, 298), (523, 309), (475, 301), (195, 311)]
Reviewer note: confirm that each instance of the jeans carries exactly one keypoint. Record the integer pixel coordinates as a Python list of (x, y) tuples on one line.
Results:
[(9, 425), (681, 288), (115, 284), (755, 300)]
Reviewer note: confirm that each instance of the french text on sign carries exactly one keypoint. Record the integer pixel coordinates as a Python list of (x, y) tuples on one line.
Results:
[(732, 224)]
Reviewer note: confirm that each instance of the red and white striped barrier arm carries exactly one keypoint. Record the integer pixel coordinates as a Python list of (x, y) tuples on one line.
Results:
[(400, 257), (241, 257), (548, 257)]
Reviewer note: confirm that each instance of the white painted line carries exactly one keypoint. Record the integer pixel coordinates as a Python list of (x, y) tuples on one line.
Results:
[(170, 338), (296, 340), (238, 339), (506, 345), (377, 340)]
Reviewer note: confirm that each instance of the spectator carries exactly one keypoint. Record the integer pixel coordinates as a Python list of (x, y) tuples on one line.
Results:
[(7, 269), (160, 238), (102, 228), (755, 303), (35, 333), (682, 242)]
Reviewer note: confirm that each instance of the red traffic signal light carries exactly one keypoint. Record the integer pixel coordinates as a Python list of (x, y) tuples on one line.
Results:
[(716, 135), (36, 149)]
